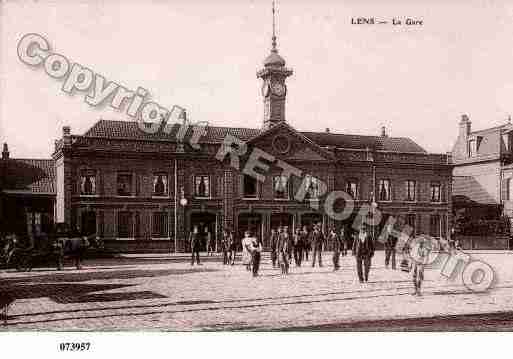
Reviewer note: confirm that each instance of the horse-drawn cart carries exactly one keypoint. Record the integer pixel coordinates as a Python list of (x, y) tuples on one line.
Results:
[(47, 252)]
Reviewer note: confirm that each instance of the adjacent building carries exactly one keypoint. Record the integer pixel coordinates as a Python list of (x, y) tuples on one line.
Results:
[(483, 171), (27, 194)]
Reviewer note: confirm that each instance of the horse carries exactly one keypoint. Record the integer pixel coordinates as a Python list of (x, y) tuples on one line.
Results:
[(75, 247)]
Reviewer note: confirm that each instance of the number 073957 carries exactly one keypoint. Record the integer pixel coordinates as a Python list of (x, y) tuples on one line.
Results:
[(74, 347)]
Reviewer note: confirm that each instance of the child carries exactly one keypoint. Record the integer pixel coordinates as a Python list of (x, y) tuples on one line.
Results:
[(247, 248), (419, 262)]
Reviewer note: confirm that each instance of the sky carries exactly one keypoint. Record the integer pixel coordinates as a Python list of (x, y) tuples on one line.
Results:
[(203, 56)]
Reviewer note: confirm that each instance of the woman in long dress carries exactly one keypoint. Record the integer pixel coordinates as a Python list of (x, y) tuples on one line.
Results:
[(247, 248)]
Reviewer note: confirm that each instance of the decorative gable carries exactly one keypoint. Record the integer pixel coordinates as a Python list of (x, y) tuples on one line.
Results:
[(284, 142)]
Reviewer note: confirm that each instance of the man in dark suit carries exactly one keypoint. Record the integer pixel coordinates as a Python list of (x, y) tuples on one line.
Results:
[(273, 240), (195, 240), (390, 244), (363, 250), (317, 244)]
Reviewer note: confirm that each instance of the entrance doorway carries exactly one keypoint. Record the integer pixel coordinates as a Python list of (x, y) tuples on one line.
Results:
[(309, 219), (282, 219), (88, 223), (206, 223), (251, 222)]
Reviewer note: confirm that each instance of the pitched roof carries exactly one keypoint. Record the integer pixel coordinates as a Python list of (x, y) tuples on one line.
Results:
[(379, 143), (214, 134), (471, 189), (131, 130), (29, 175)]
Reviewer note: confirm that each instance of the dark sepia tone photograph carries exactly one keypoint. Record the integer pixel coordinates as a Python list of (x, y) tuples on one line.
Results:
[(263, 166)]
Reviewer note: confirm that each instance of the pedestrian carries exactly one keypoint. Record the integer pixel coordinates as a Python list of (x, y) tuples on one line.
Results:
[(345, 238), (247, 246), (317, 241), (363, 250), (208, 238), (195, 242), (274, 246), (283, 251), (336, 244), (290, 244), (298, 247), (256, 250), (390, 247), (420, 260), (225, 247), (232, 245), (305, 239)]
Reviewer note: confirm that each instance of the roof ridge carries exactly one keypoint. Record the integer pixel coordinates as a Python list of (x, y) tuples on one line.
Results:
[(355, 135), (176, 123), (32, 159)]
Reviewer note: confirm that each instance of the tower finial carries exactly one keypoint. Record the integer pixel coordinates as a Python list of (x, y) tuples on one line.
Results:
[(274, 49)]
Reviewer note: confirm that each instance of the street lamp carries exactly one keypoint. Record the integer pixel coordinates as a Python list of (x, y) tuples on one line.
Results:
[(374, 206), (183, 200)]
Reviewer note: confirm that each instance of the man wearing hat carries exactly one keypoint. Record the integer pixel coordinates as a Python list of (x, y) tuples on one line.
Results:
[(317, 244), (363, 250)]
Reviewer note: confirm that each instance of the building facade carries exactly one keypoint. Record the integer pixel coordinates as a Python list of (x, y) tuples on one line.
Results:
[(145, 192), (27, 195)]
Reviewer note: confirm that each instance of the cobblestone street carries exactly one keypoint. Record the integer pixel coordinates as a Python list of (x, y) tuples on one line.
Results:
[(156, 293)]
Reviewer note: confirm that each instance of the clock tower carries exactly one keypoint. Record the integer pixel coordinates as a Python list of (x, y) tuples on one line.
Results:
[(274, 90)]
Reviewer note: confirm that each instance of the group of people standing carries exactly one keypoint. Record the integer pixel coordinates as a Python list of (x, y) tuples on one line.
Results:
[(296, 247)]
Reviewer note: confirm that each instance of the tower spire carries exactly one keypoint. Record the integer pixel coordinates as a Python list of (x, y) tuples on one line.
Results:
[(274, 48)]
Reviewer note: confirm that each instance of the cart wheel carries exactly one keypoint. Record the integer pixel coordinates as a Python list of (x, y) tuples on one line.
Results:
[(23, 264)]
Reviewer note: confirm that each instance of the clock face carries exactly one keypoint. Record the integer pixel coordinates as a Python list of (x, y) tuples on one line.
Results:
[(278, 89), (265, 89)]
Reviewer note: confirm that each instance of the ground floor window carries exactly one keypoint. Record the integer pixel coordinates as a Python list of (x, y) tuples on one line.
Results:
[(410, 222), (160, 225), (125, 224), (435, 225)]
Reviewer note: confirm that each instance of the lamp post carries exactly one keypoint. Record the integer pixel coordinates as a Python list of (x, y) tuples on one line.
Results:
[(374, 206), (183, 202)]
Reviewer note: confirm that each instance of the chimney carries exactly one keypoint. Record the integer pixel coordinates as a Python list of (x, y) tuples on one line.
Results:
[(327, 130), (66, 135), (465, 126), (5, 152), (383, 131)]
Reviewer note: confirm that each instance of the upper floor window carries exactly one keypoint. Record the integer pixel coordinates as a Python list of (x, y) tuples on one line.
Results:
[(124, 184), (280, 187), (160, 184), (88, 183), (202, 186), (384, 190), (312, 187), (472, 147), (249, 187), (436, 192), (352, 188), (410, 190)]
